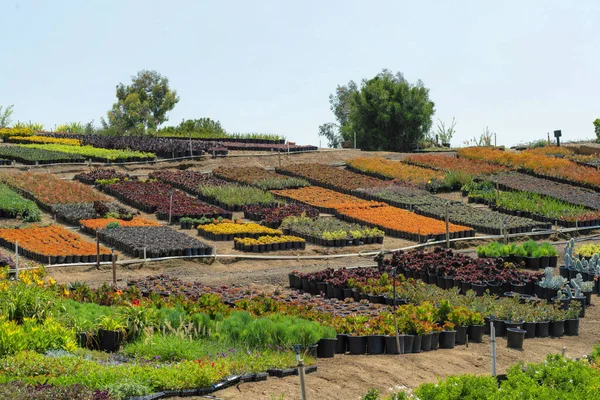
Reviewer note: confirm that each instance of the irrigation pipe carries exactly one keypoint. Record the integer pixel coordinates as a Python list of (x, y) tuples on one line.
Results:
[(370, 253)]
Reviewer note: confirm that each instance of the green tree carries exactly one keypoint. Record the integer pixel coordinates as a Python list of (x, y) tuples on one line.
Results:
[(202, 127), (597, 128), (385, 113), (5, 116), (142, 106)]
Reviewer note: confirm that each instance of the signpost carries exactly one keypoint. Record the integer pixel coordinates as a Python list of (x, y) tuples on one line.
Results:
[(557, 135)]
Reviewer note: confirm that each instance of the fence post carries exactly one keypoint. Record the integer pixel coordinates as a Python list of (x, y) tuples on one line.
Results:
[(17, 260), (447, 228), (493, 346), (170, 207), (97, 250), (114, 267)]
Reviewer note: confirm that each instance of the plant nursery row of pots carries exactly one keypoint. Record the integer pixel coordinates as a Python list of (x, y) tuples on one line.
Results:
[(335, 242), (262, 248)]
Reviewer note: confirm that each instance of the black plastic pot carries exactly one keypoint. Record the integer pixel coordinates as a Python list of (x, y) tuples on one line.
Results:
[(341, 344), (563, 271), (109, 340), (348, 293), (515, 338), (530, 329), (408, 343), (571, 327), (375, 344), (557, 328), (479, 288), (461, 334), (435, 340), (495, 288), (533, 262), (475, 333), (376, 299), (321, 288), (448, 282), (539, 291), (447, 339), (550, 293), (416, 344), (513, 324), (338, 293), (588, 298), (326, 348), (426, 342), (357, 345), (500, 329), (542, 329), (390, 345), (464, 287)]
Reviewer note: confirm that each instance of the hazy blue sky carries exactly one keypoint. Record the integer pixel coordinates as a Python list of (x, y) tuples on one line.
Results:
[(523, 68)]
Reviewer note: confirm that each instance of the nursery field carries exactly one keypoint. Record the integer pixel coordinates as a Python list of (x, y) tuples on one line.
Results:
[(224, 263)]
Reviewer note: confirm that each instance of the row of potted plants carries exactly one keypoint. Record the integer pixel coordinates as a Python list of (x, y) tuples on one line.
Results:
[(453, 164), (272, 215), (229, 230), (386, 169), (159, 241), (568, 193), (13, 205), (331, 177), (42, 140), (6, 133), (269, 243), (324, 200), (160, 146), (560, 170), (101, 174), (95, 153), (485, 221), (51, 244), (532, 205), (151, 196), (91, 225), (423, 202), (402, 223), (188, 181), (331, 231), (30, 156), (48, 190), (259, 177), (529, 254), (73, 213), (234, 197)]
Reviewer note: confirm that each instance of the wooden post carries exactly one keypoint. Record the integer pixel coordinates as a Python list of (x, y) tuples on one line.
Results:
[(302, 375), (114, 267), (97, 250)]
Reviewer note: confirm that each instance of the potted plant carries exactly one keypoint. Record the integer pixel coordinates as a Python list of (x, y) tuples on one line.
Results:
[(111, 331), (572, 319), (447, 336)]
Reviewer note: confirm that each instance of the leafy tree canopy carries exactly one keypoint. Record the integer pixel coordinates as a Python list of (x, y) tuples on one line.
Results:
[(386, 113), (142, 106)]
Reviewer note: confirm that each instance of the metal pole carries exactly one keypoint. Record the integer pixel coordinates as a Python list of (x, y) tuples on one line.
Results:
[(447, 228), (170, 207), (114, 267), (17, 260), (302, 380), (505, 233), (144, 255), (97, 250), (398, 346), (493, 346)]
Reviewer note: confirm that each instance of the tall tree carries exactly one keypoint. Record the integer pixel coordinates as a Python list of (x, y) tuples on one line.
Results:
[(597, 128), (385, 113), (142, 106)]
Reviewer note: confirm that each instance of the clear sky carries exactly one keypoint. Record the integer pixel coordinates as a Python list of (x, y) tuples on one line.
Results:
[(523, 68)]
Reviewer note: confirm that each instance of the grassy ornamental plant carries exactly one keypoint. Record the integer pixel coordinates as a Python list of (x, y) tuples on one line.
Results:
[(233, 195)]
